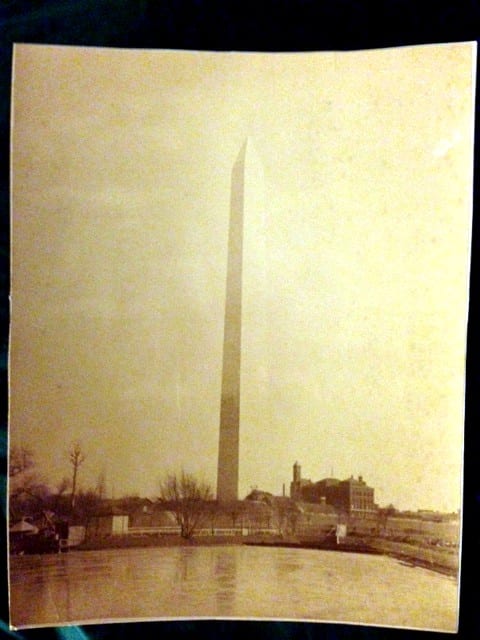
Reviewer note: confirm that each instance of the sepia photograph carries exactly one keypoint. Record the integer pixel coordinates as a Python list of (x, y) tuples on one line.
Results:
[(239, 303)]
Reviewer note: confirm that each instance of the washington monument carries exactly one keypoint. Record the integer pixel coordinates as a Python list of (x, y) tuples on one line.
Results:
[(246, 210)]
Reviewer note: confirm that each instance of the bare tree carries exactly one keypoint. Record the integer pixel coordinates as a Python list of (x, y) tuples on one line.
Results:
[(286, 514), (383, 515), (28, 492), (237, 510), (58, 500), (62, 486), (20, 460), (188, 498), (101, 486), (77, 458)]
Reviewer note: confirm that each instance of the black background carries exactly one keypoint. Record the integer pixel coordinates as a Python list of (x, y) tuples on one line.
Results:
[(263, 25)]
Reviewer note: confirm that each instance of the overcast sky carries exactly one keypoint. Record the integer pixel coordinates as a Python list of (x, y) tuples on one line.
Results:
[(121, 191)]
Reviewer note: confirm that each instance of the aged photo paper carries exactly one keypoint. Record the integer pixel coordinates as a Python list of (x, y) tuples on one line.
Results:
[(239, 302)]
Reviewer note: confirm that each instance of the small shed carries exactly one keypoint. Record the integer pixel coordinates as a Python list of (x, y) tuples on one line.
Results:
[(111, 523)]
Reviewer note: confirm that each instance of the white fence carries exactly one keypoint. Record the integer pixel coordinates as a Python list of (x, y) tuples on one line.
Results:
[(205, 531)]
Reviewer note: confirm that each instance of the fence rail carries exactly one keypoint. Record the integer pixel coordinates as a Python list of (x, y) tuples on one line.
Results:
[(204, 531)]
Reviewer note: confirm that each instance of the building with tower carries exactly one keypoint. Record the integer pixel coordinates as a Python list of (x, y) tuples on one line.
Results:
[(298, 484), (352, 497)]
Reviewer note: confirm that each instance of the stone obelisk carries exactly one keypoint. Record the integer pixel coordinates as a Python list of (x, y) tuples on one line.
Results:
[(246, 200)]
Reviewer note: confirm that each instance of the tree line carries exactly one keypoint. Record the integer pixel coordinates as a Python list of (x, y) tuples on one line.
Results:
[(190, 500), (30, 494)]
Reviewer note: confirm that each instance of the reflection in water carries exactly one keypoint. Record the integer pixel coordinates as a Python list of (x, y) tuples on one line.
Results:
[(225, 580), (286, 565), (229, 581), (66, 577), (183, 565)]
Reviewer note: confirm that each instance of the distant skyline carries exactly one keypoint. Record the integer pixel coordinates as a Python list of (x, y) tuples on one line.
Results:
[(121, 166)]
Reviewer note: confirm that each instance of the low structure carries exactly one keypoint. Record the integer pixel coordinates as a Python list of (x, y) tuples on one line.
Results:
[(109, 523)]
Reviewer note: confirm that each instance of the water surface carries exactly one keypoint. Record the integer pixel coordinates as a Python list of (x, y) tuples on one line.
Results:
[(228, 582)]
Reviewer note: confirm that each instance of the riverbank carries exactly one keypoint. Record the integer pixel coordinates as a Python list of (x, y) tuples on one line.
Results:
[(437, 559), (445, 561), (174, 540), (441, 560)]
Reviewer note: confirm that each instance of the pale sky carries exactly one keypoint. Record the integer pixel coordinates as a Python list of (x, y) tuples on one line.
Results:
[(121, 171)]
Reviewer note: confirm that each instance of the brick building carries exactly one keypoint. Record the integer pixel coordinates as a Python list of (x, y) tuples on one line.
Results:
[(352, 497)]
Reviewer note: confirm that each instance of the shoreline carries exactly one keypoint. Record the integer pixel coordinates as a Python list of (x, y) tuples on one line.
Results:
[(435, 559)]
